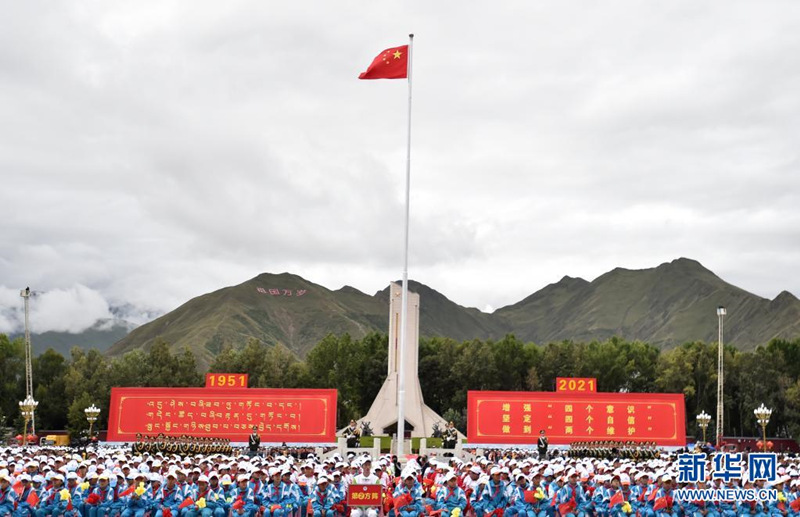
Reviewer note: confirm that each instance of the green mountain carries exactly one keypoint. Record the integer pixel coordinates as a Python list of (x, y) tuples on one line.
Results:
[(102, 335), (667, 305)]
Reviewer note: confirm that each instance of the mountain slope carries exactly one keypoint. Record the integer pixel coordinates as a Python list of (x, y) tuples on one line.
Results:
[(272, 308), (440, 316), (102, 335), (666, 305)]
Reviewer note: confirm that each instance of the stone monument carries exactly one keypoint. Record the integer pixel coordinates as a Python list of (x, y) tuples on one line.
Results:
[(382, 415)]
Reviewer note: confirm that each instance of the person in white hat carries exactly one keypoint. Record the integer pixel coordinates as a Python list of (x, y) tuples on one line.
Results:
[(99, 500), (517, 505), (408, 495), (450, 496), (51, 500), (367, 477), (243, 498), (24, 509), (8, 498), (495, 496), (276, 495), (663, 504), (571, 499), (170, 497), (322, 499), (196, 493)]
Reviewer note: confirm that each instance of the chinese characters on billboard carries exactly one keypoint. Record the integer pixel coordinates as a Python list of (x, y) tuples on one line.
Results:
[(500, 417)]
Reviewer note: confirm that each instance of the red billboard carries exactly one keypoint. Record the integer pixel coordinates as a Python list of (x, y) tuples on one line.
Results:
[(282, 415), (516, 417)]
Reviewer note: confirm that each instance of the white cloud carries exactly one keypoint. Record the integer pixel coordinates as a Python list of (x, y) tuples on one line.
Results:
[(154, 151), (62, 310)]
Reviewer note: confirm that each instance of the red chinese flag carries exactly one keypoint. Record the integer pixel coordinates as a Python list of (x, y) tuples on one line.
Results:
[(392, 63), (33, 499), (795, 505), (127, 492), (186, 502), (616, 499), (568, 507), (403, 500), (662, 502)]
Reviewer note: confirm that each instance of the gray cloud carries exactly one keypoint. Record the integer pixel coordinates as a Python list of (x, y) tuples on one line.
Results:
[(155, 151)]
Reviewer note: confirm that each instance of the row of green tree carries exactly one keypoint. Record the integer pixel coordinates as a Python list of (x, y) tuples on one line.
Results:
[(447, 370)]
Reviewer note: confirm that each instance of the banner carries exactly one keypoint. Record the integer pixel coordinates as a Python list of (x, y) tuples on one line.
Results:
[(576, 384), (516, 417), (364, 495), (282, 415), (226, 380)]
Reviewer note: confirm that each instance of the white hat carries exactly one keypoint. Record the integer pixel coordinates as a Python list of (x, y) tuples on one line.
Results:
[(495, 470), (243, 477), (202, 479), (449, 476), (323, 479)]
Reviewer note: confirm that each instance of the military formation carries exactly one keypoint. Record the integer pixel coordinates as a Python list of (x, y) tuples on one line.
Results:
[(114, 483), (609, 449), (182, 445)]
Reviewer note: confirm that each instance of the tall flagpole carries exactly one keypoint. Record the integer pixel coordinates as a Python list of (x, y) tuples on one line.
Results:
[(401, 381)]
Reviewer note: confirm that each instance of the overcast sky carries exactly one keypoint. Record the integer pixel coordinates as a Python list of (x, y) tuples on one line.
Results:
[(153, 151)]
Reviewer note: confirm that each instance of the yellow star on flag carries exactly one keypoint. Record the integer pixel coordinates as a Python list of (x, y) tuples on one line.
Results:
[(397, 54)]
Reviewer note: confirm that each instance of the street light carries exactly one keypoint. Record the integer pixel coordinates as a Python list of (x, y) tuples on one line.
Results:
[(763, 413), (27, 407), (721, 312), (703, 419), (92, 413)]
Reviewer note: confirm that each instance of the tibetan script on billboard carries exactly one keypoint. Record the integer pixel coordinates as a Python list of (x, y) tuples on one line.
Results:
[(516, 417), (281, 415)]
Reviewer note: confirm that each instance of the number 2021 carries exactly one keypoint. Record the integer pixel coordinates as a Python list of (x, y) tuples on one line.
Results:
[(576, 384)]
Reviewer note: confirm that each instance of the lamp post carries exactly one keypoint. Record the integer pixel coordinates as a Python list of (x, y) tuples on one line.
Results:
[(92, 413), (763, 413), (27, 407), (721, 312), (703, 419)]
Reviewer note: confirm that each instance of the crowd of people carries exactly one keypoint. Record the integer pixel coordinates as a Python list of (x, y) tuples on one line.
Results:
[(109, 482)]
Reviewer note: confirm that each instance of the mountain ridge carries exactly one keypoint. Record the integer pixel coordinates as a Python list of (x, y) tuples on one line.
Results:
[(666, 305)]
